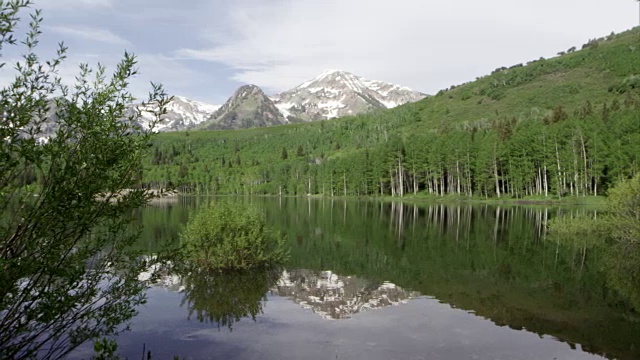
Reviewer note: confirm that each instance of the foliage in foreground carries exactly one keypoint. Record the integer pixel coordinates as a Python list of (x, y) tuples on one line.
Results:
[(66, 274), (232, 236)]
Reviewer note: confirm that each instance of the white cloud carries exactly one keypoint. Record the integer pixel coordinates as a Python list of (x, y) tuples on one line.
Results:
[(177, 78), (173, 75), (91, 34), (426, 45), (52, 4)]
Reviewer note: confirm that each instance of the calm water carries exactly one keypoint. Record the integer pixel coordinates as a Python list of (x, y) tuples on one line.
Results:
[(368, 280)]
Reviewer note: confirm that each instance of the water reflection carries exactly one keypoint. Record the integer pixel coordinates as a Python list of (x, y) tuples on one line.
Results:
[(493, 261), (333, 296), (224, 298)]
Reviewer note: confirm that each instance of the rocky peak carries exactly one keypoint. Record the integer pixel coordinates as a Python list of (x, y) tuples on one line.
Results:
[(247, 107)]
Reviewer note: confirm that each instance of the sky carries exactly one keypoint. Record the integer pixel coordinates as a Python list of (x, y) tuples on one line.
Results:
[(205, 49)]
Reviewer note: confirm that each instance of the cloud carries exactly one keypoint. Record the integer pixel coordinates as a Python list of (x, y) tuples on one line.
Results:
[(91, 34), (426, 45), (176, 77), (53, 4)]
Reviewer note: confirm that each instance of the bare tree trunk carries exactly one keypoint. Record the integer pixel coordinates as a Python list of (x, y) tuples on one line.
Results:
[(546, 183), (457, 175), (344, 181), (469, 175), (584, 155), (495, 174), (560, 185), (392, 182), (400, 178), (576, 176)]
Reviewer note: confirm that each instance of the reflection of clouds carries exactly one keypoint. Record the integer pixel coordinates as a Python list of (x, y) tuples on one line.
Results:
[(338, 297)]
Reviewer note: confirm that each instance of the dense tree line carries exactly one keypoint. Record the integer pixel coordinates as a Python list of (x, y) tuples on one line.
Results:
[(553, 154)]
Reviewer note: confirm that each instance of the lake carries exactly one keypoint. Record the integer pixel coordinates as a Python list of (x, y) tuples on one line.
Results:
[(382, 280)]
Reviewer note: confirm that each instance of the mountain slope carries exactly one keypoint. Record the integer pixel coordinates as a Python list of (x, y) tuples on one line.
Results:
[(182, 114), (336, 93), (553, 127), (248, 107)]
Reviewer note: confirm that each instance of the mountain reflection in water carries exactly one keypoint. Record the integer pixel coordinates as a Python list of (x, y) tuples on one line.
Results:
[(224, 298), (333, 296)]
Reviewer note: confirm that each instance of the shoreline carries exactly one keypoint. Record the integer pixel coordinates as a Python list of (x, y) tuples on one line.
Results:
[(590, 201)]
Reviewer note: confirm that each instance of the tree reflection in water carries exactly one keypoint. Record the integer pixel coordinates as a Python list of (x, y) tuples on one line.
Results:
[(223, 297)]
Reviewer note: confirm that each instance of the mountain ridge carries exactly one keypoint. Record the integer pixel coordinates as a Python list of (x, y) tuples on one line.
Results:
[(182, 114), (332, 93)]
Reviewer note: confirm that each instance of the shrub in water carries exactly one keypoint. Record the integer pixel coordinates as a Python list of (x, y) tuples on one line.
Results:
[(232, 236)]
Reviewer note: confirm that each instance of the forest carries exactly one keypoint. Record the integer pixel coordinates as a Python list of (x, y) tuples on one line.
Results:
[(550, 128)]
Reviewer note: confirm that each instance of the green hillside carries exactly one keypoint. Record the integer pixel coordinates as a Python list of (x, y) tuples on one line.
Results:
[(569, 125)]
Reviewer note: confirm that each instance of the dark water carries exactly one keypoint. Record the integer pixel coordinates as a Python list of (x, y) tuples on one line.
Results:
[(371, 280)]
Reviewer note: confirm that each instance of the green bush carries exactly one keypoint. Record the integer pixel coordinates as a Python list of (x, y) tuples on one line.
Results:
[(624, 212), (232, 237), (629, 83)]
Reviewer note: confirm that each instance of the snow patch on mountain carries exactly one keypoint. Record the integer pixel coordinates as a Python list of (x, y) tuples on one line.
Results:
[(283, 108), (182, 114), (335, 93)]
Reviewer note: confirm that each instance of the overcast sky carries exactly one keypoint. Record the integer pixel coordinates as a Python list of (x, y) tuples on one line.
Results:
[(205, 49)]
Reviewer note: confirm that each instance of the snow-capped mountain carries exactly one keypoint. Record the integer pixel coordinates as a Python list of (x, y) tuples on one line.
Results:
[(336, 93), (331, 94), (248, 107), (182, 114)]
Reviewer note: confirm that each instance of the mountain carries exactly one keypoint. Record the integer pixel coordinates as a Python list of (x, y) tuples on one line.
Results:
[(182, 114), (336, 93), (248, 107)]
